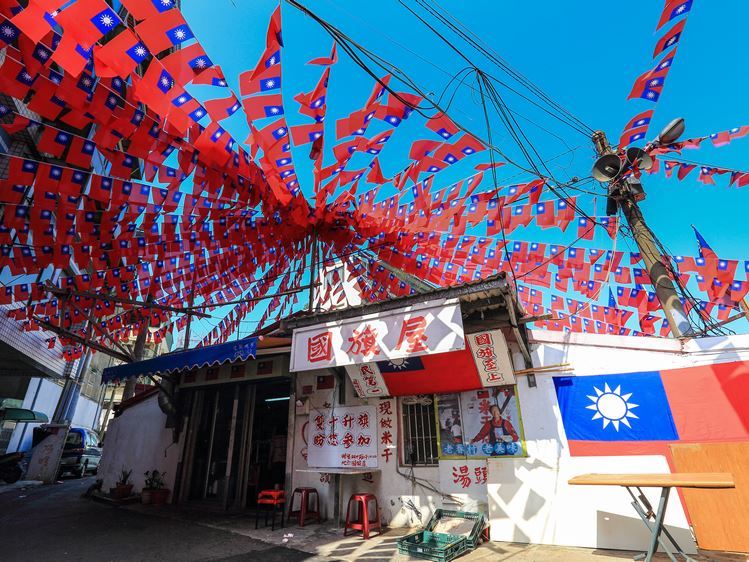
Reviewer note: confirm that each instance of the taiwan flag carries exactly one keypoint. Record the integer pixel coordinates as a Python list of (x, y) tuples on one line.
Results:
[(642, 413), (454, 371)]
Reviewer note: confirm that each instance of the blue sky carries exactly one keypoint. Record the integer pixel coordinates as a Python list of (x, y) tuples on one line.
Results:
[(585, 55)]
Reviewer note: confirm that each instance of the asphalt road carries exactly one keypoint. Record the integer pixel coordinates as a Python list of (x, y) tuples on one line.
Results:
[(55, 523)]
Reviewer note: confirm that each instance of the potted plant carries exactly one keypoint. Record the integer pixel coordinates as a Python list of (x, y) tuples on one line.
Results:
[(124, 487), (154, 492)]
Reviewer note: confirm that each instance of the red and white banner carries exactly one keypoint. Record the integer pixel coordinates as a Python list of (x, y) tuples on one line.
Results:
[(426, 328), (492, 357), (343, 437), (367, 380)]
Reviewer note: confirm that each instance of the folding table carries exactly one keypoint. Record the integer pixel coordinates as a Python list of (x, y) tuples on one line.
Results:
[(641, 504)]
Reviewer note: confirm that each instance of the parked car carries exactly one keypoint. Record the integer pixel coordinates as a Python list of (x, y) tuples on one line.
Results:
[(81, 453)]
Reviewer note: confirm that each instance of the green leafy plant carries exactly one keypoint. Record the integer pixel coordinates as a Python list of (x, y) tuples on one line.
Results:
[(154, 479), (124, 479)]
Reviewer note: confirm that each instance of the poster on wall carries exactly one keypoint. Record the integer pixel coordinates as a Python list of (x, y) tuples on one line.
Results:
[(480, 424), (342, 437)]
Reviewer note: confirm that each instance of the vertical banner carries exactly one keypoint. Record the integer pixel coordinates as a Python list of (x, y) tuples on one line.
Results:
[(387, 430), (367, 380), (343, 437), (479, 424), (492, 357)]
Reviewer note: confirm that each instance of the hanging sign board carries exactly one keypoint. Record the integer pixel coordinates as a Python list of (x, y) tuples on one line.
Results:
[(342, 437), (367, 380), (492, 357), (425, 328)]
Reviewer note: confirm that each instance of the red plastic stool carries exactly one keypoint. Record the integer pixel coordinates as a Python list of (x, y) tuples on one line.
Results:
[(363, 523), (273, 499), (304, 511)]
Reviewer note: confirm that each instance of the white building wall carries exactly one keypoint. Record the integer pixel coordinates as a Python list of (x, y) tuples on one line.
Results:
[(407, 497), (86, 413), (137, 440), (530, 500), (42, 395)]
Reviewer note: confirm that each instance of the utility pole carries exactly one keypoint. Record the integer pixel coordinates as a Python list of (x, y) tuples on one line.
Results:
[(186, 344), (138, 351), (313, 266), (664, 286)]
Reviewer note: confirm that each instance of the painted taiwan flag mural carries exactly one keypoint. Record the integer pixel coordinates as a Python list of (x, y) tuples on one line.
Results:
[(642, 413)]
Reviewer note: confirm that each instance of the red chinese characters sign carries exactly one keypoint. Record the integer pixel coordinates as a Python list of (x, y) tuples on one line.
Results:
[(432, 327), (463, 477), (386, 428), (492, 357), (343, 437), (367, 380)]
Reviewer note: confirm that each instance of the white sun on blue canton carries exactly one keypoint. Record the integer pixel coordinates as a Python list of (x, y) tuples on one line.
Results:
[(612, 406), (398, 364), (107, 20)]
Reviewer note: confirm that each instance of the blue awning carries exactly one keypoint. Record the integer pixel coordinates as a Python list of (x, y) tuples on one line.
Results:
[(211, 356)]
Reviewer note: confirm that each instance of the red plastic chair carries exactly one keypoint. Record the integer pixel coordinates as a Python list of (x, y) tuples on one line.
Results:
[(304, 511), (363, 523), (272, 499)]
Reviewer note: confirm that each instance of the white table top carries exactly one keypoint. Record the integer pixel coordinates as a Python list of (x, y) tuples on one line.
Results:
[(363, 470)]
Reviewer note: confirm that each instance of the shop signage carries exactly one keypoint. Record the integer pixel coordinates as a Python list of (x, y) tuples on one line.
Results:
[(367, 380), (432, 327), (463, 476), (492, 357), (343, 437)]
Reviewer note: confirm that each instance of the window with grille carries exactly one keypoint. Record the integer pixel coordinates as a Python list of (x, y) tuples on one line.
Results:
[(419, 431)]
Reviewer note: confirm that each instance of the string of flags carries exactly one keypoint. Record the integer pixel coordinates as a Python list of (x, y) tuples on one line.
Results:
[(137, 191)]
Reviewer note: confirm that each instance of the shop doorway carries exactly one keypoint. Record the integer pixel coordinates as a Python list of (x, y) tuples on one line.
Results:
[(267, 463), (236, 443)]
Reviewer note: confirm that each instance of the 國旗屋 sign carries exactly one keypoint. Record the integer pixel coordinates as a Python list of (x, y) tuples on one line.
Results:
[(492, 357), (343, 437), (432, 327)]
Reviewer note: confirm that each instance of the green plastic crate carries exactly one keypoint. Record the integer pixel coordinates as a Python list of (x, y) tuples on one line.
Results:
[(438, 547), (476, 520)]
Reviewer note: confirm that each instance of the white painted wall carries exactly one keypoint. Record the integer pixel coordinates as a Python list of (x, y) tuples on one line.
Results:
[(530, 500), (45, 401), (86, 413), (42, 395), (406, 497), (137, 440)]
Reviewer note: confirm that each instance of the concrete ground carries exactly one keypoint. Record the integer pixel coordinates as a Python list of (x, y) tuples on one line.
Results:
[(55, 523), (327, 540)]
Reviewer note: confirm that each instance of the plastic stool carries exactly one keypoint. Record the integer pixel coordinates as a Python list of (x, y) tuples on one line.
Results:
[(304, 511), (363, 523), (272, 499)]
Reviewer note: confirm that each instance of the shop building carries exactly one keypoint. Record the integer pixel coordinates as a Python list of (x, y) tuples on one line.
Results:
[(432, 425)]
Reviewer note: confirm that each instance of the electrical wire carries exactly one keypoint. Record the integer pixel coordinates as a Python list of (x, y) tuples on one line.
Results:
[(465, 33)]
